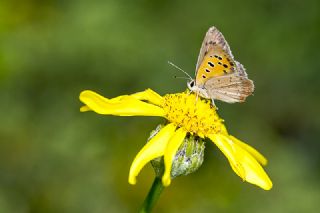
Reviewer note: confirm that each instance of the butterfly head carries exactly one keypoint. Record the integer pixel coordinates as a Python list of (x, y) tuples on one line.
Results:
[(191, 84), (197, 89)]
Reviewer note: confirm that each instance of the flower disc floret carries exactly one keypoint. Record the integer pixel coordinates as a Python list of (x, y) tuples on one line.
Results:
[(196, 115)]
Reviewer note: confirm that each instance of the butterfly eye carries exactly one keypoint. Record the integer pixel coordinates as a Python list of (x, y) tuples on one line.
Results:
[(191, 84)]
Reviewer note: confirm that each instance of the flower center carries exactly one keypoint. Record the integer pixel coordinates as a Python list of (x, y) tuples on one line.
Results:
[(196, 115)]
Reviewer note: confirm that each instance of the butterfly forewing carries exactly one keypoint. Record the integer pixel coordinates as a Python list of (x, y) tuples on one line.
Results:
[(240, 69), (212, 38), (216, 63)]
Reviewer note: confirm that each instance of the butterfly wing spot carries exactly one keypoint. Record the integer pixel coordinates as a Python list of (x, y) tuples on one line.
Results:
[(219, 63), (203, 76), (225, 72), (211, 64), (208, 70), (219, 58)]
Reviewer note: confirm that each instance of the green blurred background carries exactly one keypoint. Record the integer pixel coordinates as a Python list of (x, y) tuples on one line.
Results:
[(55, 159)]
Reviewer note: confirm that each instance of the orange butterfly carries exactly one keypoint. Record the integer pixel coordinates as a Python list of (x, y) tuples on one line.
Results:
[(218, 75)]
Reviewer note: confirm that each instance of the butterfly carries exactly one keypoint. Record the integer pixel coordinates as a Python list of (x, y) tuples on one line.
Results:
[(218, 76)]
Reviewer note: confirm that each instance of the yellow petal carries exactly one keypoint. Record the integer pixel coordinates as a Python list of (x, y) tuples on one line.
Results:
[(150, 96), (257, 155), (242, 162), (171, 150), (122, 106), (153, 149), (227, 150), (85, 109)]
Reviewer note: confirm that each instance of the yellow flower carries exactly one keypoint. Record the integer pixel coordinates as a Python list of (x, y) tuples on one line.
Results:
[(186, 114)]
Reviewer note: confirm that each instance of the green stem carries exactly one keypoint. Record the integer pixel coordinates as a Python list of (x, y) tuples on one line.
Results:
[(152, 196)]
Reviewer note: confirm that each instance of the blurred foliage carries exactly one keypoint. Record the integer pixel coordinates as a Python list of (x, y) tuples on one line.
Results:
[(55, 159)]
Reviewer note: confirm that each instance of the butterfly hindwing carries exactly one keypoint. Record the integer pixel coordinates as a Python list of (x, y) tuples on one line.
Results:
[(229, 88)]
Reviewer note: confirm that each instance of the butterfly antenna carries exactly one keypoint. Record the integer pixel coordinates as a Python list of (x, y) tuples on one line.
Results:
[(180, 69), (181, 77)]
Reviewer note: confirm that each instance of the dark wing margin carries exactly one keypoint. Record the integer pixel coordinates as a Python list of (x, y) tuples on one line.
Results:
[(213, 37)]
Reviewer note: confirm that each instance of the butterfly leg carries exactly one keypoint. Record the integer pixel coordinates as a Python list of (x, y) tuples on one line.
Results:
[(213, 104), (197, 96)]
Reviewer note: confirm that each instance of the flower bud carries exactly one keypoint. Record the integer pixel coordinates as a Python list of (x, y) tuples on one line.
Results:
[(188, 158)]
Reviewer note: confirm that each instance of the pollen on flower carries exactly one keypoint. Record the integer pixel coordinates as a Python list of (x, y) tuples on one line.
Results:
[(196, 115)]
